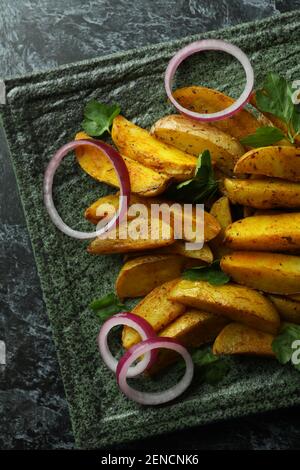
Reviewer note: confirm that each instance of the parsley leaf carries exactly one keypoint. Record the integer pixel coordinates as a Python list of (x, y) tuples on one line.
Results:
[(275, 97), (202, 187), (212, 274), (211, 369), (283, 343), (107, 306), (263, 136), (98, 117)]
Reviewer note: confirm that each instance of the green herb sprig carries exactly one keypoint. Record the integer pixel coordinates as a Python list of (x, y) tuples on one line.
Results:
[(107, 306), (212, 274), (263, 137), (98, 117)]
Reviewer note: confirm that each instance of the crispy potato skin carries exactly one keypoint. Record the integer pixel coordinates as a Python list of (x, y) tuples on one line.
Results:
[(207, 100), (263, 193), (235, 302), (273, 273), (237, 338), (141, 275), (289, 309), (265, 232), (137, 144), (221, 211), (123, 242), (192, 329), (194, 137), (211, 225), (157, 309), (276, 161), (143, 180)]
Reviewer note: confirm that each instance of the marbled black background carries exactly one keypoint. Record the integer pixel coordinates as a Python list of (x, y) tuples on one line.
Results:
[(40, 34)]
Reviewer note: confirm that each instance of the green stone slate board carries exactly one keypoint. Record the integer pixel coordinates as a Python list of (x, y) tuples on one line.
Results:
[(44, 111)]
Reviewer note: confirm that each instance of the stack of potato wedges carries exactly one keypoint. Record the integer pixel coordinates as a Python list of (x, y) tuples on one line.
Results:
[(260, 251)]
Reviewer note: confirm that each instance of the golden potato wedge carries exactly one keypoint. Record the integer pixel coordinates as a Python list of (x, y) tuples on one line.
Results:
[(237, 338), (207, 100), (121, 241), (179, 248), (263, 194), (192, 329), (141, 275), (270, 272), (221, 211), (137, 144), (194, 137), (211, 226), (275, 161), (265, 232), (295, 297), (157, 309), (230, 300), (143, 180), (277, 122), (289, 309)]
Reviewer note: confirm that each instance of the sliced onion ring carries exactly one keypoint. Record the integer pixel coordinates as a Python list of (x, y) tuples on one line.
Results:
[(209, 45), (155, 398), (123, 176), (144, 329)]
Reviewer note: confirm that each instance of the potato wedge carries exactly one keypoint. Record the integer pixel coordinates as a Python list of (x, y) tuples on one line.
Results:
[(141, 275), (236, 338), (276, 161), (211, 226), (221, 211), (207, 100), (194, 137), (263, 194), (179, 248), (295, 297), (157, 309), (277, 122), (137, 144), (98, 209), (123, 242), (265, 232), (235, 302), (289, 309), (270, 272), (192, 329), (143, 180)]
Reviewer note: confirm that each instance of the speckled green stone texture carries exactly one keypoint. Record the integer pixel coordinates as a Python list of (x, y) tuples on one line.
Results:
[(43, 112)]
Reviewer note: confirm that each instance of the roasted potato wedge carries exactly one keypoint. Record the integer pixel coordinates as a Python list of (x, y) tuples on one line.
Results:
[(194, 137), (295, 297), (143, 180), (237, 338), (289, 309), (263, 194), (276, 161), (270, 272), (207, 100), (235, 302), (192, 329), (221, 211), (211, 225), (157, 309), (137, 144), (122, 242), (265, 232), (141, 275), (179, 248)]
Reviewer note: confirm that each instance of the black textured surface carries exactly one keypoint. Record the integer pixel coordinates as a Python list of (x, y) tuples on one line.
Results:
[(36, 36)]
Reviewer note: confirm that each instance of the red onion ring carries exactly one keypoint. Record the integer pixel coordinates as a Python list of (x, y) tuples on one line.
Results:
[(123, 176), (156, 398), (209, 45), (144, 329)]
